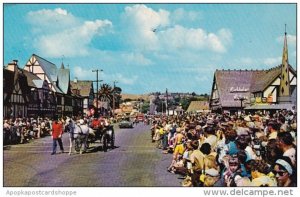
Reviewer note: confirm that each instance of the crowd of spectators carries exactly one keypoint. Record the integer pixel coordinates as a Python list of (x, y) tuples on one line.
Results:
[(22, 130), (222, 150)]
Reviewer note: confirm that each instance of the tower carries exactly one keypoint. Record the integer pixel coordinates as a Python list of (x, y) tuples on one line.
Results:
[(284, 88)]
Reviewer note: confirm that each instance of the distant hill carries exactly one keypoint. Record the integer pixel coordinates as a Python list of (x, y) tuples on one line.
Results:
[(135, 96)]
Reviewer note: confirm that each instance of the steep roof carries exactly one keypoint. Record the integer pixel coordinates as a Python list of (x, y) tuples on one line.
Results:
[(63, 78), (198, 105), (252, 80), (135, 96), (49, 68), (262, 79), (226, 79), (10, 78), (32, 79), (83, 86)]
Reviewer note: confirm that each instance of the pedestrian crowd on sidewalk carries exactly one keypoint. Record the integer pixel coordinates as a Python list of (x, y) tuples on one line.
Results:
[(22, 130), (223, 150)]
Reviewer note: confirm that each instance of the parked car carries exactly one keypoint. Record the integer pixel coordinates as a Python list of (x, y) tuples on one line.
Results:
[(126, 123), (140, 117)]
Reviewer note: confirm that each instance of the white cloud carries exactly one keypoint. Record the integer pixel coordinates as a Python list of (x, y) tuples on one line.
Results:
[(125, 79), (183, 16), (81, 73), (180, 37), (138, 23), (147, 29), (71, 42), (49, 21), (135, 59), (291, 40), (273, 61), (60, 33)]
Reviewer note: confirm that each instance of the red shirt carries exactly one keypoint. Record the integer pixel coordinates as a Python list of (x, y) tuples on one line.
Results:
[(57, 129), (96, 123)]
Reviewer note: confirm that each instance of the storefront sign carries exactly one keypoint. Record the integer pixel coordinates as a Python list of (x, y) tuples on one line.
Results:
[(238, 89)]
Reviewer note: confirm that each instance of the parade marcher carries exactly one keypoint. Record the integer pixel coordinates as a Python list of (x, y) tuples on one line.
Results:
[(83, 130), (57, 131)]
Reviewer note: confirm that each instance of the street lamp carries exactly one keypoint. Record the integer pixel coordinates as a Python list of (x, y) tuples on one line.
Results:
[(97, 70), (241, 99)]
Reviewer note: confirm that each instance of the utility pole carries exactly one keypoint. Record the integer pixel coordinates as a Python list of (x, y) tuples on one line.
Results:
[(167, 111), (97, 70), (114, 98)]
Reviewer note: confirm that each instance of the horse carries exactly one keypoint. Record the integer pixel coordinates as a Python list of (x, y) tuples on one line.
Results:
[(70, 129)]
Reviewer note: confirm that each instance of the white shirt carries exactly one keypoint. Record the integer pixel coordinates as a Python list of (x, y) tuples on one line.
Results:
[(291, 153)]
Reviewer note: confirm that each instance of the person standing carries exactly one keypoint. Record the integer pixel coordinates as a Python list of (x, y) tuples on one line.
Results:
[(57, 131)]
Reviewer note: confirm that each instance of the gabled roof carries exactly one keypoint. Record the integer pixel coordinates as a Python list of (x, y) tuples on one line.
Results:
[(32, 79), (252, 80), (263, 79), (49, 68), (9, 79), (226, 79), (197, 106), (83, 86)]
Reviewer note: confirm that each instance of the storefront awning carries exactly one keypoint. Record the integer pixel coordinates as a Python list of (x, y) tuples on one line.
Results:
[(270, 107)]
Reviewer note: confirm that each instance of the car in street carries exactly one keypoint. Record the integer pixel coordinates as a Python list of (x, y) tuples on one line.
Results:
[(125, 123), (140, 117)]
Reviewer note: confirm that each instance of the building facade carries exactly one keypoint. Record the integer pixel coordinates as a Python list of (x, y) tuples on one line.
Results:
[(272, 89)]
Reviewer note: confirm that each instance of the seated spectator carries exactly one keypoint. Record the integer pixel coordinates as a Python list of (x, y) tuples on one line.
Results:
[(285, 173), (260, 175), (211, 177)]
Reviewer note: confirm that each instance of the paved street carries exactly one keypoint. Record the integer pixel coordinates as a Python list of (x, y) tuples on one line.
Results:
[(135, 162)]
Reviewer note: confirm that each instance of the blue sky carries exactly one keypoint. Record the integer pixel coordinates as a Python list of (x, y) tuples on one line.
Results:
[(151, 47)]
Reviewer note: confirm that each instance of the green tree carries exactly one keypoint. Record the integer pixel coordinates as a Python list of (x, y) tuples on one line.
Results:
[(145, 107), (106, 93)]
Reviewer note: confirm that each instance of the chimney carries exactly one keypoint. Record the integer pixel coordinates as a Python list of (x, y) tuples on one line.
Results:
[(12, 66)]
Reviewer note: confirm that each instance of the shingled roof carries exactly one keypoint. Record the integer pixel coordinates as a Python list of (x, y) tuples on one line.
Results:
[(198, 106), (226, 79), (83, 86), (252, 80)]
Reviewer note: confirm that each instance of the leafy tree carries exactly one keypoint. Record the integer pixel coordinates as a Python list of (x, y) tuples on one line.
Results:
[(145, 107)]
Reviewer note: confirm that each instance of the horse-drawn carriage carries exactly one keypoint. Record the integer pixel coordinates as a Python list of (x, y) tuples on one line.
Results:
[(105, 134), (101, 130)]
